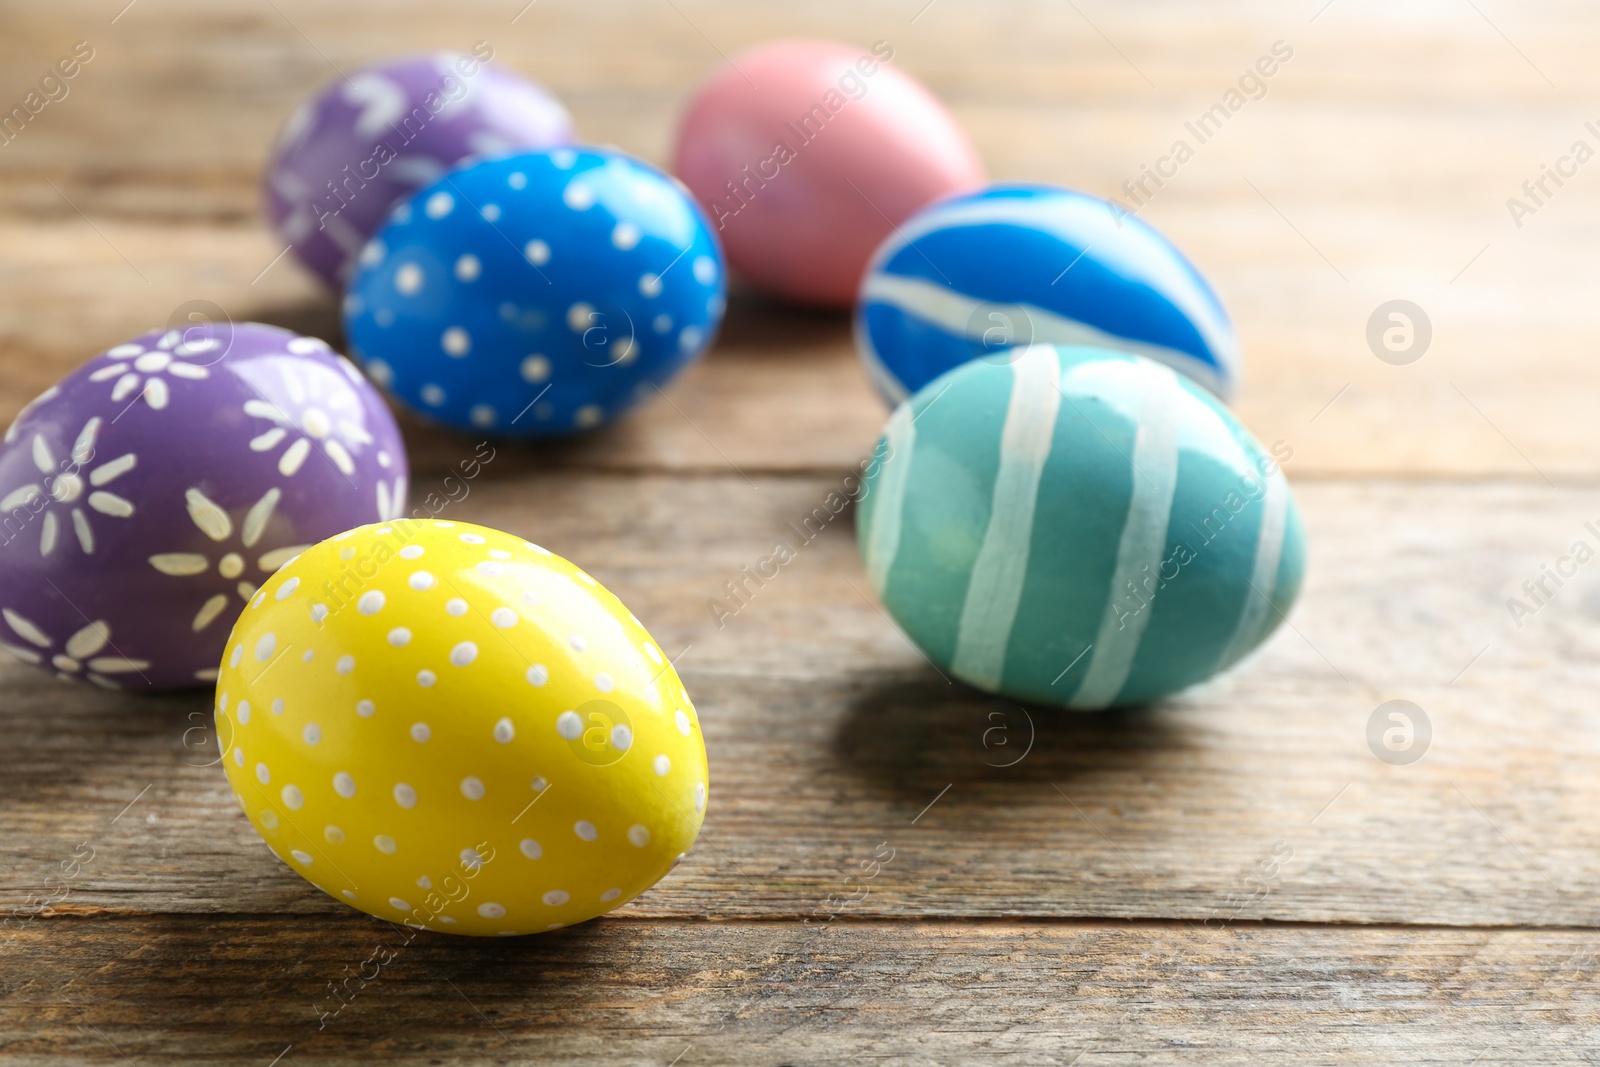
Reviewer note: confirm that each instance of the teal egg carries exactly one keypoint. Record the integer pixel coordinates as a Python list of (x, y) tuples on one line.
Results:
[(1078, 527)]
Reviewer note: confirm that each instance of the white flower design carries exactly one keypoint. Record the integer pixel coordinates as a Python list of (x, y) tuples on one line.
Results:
[(79, 658), (217, 525), (138, 369), (320, 409), (391, 502), (67, 488)]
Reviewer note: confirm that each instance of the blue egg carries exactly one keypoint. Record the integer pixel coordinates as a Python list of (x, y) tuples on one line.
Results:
[(1012, 265), (538, 294), (1078, 527)]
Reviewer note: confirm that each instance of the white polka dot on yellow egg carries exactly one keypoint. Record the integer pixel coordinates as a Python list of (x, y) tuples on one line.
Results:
[(467, 732)]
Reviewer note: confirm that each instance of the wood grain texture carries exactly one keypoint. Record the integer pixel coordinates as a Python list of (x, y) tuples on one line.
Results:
[(1377, 166), (1062, 888), (233, 989), (828, 734)]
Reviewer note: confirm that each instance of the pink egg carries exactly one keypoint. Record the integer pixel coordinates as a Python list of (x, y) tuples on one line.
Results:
[(807, 154)]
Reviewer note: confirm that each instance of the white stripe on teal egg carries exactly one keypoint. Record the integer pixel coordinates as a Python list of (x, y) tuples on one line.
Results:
[(957, 313), (994, 590), (1264, 573), (1144, 534), (883, 541)]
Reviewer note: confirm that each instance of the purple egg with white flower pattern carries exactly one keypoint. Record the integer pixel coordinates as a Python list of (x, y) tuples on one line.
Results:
[(365, 142), (145, 497)]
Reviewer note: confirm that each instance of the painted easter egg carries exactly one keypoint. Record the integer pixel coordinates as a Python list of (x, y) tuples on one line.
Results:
[(976, 276), (1078, 527), (807, 154), (447, 726), (366, 141), (146, 496), (537, 295)]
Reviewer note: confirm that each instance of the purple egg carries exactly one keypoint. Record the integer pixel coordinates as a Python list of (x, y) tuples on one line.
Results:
[(146, 496), (367, 141)]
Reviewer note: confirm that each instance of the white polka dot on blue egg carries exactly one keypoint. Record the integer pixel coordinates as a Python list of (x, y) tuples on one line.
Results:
[(537, 295), (978, 275)]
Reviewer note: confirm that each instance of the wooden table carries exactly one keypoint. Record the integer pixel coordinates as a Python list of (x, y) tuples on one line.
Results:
[(1230, 877)]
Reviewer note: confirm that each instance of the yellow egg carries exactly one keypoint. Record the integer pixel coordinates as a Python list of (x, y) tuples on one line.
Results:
[(448, 726)]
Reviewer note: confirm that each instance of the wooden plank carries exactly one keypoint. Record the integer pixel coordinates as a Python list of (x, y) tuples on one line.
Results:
[(1329, 196), (238, 989), (782, 391), (623, 69), (828, 735), (1062, 888)]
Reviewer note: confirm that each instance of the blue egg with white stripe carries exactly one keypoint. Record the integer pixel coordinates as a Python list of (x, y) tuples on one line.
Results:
[(538, 294), (1078, 527), (1011, 265)]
